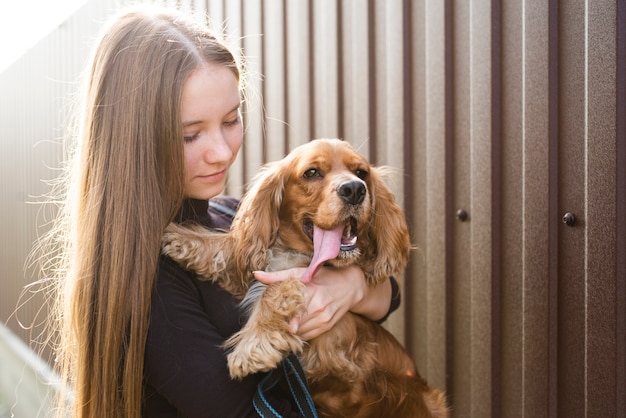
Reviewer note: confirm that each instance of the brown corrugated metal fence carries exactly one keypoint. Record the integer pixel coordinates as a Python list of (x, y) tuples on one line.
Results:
[(501, 117)]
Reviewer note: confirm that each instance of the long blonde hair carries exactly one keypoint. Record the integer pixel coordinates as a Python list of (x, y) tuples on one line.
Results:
[(124, 185)]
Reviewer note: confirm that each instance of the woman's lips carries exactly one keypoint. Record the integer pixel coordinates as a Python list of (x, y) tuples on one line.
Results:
[(214, 176)]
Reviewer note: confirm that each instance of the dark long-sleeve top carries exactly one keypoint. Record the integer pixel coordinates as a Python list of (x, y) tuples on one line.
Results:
[(185, 365)]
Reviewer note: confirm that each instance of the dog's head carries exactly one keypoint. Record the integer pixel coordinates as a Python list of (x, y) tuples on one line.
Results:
[(326, 200)]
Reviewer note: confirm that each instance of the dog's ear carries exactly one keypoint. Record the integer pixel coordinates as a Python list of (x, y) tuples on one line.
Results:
[(256, 223), (389, 245)]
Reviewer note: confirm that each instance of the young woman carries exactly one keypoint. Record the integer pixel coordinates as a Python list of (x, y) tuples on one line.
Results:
[(160, 127)]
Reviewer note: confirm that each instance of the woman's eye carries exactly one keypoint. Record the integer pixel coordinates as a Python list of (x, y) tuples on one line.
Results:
[(311, 172), (233, 122), (362, 174), (190, 138)]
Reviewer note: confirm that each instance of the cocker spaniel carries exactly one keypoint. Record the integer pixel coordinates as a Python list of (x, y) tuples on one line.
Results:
[(322, 204)]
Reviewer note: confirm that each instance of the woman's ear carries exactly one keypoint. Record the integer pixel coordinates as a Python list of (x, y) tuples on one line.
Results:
[(389, 241), (256, 224)]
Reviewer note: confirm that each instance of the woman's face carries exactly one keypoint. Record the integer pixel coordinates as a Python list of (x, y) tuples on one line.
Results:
[(212, 129)]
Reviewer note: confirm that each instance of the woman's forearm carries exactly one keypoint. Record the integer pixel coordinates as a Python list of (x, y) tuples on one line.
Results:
[(375, 302)]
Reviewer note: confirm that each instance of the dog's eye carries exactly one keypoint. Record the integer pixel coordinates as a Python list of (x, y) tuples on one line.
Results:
[(311, 172), (362, 174)]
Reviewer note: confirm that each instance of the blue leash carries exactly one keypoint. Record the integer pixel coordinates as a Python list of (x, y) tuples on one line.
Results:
[(291, 369)]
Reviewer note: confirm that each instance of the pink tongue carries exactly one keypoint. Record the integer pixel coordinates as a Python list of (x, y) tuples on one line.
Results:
[(326, 246)]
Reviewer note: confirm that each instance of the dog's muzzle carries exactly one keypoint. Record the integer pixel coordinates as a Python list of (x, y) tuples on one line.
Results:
[(352, 192)]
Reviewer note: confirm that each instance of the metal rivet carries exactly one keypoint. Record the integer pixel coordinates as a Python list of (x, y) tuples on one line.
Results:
[(569, 219), (461, 215)]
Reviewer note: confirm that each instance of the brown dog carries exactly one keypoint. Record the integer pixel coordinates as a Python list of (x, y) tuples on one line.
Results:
[(322, 203)]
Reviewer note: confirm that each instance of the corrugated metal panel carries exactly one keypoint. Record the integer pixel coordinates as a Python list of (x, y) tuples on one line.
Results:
[(514, 112)]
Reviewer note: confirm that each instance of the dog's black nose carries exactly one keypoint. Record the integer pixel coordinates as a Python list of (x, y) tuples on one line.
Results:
[(352, 192)]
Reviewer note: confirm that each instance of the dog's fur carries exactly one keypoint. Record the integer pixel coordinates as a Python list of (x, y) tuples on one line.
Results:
[(357, 369)]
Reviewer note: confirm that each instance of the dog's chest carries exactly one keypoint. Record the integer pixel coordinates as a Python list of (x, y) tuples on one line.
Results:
[(280, 258)]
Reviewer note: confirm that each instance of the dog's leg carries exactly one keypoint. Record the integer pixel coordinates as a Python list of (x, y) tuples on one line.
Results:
[(267, 338), (197, 249)]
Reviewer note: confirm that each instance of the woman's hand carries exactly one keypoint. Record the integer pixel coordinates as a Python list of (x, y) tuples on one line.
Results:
[(332, 293)]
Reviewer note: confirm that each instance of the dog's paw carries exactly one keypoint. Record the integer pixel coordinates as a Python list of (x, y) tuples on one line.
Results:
[(177, 245), (196, 249), (175, 248), (260, 352), (267, 337)]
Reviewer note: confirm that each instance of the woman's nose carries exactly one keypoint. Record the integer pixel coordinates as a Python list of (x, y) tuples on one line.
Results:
[(217, 148)]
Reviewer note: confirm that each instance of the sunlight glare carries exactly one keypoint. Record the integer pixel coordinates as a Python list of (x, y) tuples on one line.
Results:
[(24, 23)]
